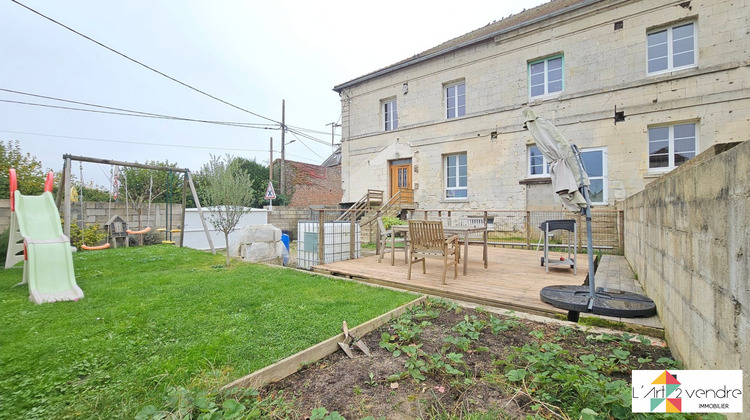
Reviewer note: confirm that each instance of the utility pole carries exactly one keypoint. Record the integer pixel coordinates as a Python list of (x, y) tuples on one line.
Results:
[(333, 132), (283, 140), (270, 163)]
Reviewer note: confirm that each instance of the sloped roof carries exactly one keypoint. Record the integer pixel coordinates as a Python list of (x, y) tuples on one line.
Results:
[(334, 159), (527, 17)]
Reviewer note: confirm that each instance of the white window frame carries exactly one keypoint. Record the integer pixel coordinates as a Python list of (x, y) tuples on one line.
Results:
[(458, 111), (547, 93), (670, 48), (604, 177), (390, 114), (458, 186), (671, 165), (545, 170)]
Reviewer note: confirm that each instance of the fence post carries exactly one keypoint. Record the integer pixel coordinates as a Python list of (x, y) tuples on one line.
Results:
[(352, 237), (528, 230), (621, 229), (377, 236), (321, 237)]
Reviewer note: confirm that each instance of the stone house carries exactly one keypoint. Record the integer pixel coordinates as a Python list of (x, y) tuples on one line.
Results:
[(640, 86)]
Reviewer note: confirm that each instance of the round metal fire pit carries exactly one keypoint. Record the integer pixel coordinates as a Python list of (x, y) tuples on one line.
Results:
[(607, 302)]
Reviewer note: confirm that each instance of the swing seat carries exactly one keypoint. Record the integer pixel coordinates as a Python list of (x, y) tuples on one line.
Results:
[(138, 232), (95, 248), (168, 242)]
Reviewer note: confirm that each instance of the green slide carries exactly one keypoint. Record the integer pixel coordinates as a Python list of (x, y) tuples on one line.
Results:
[(49, 261)]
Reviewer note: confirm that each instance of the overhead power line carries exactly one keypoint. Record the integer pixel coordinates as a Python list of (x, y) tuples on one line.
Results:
[(181, 146), (308, 130), (145, 65), (133, 113), (130, 111), (307, 136), (141, 115), (308, 147)]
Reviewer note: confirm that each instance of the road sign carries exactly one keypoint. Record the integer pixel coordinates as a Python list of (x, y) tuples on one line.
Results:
[(270, 193)]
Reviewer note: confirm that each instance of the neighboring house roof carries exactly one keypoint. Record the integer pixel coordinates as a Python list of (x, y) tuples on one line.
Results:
[(513, 22), (334, 159)]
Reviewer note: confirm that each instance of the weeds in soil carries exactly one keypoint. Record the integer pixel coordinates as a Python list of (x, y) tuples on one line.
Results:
[(372, 382), (542, 377), (593, 321), (182, 403)]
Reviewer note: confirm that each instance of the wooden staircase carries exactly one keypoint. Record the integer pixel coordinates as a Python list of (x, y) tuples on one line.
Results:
[(372, 199), (371, 206), (403, 199)]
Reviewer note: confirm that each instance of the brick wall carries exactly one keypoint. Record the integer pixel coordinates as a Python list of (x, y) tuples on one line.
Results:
[(312, 185)]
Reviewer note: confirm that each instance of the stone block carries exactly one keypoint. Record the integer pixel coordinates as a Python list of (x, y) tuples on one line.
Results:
[(260, 233), (726, 314), (258, 251)]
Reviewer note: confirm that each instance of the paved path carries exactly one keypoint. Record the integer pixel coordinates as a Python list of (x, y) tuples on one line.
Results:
[(614, 273)]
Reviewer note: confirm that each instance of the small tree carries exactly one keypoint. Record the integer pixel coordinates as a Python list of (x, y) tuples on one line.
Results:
[(229, 189), (28, 170), (145, 186)]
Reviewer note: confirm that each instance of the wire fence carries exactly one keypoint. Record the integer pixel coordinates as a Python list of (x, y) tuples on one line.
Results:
[(521, 229), (322, 238)]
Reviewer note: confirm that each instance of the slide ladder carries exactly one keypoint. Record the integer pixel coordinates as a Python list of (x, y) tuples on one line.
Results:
[(48, 258)]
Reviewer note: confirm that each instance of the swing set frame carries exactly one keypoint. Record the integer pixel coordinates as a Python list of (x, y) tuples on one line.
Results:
[(65, 184)]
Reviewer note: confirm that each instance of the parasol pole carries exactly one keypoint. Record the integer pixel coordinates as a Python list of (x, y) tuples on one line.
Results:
[(589, 236)]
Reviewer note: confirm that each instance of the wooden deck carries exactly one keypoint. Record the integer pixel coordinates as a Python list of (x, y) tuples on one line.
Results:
[(512, 280)]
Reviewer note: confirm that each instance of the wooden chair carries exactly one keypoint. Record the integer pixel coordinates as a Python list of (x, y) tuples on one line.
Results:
[(427, 239), (384, 237)]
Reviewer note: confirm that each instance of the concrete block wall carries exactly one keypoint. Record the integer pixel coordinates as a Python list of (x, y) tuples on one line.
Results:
[(687, 237), (286, 217), (4, 214), (100, 212), (604, 67)]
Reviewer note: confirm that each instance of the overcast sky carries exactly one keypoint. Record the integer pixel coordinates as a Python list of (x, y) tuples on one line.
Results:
[(250, 54)]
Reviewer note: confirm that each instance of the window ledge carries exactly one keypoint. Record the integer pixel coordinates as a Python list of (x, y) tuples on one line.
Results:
[(536, 181), (546, 97), (656, 174), (672, 71), (455, 200)]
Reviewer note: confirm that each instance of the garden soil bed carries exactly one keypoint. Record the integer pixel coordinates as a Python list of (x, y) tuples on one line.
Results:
[(480, 378)]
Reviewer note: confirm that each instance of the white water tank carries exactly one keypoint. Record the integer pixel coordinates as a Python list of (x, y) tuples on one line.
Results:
[(337, 238)]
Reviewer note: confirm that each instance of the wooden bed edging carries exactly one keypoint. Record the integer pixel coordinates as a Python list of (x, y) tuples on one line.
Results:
[(552, 312), (293, 363)]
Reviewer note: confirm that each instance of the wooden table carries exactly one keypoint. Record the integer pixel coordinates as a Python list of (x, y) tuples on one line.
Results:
[(461, 231)]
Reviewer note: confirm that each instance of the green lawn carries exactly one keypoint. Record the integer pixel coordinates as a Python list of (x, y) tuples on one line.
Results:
[(161, 316)]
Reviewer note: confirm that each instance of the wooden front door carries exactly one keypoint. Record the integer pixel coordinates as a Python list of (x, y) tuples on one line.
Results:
[(400, 173)]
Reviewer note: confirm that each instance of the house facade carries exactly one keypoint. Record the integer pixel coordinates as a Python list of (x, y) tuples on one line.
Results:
[(639, 86)]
